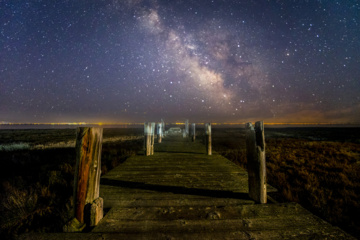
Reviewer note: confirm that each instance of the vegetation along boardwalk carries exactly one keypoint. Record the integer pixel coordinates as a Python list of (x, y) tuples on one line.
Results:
[(179, 192)]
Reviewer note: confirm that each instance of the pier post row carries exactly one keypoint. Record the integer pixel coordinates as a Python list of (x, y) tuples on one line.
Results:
[(256, 165)]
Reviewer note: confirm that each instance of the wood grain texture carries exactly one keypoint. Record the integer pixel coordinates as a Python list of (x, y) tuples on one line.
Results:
[(147, 138), (256, 165), (88, 168)]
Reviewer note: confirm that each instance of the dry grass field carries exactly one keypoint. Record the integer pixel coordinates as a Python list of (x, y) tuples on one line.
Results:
[(36, 185)]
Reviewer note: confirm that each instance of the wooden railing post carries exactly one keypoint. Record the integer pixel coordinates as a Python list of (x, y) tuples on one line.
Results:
[(186, 128), (152, 137), (147, 138), (88, 206), (208, 138), (193, 133), (256, 165), (163, 127), (159, 132)]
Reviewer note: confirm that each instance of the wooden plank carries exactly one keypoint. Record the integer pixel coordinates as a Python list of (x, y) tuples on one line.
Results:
[(176, 201), (211, 224), (163, 213), (309, 232)]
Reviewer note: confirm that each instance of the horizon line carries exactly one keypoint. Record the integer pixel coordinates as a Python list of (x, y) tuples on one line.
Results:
[(179, 123)]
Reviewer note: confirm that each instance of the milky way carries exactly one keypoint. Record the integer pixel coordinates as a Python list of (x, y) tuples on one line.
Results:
[(215, 61)]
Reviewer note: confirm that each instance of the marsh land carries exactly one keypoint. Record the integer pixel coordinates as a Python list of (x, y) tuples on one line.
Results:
[(317, 167)]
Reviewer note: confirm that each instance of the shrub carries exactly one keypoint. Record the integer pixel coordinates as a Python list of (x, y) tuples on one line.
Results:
[(14, 146)]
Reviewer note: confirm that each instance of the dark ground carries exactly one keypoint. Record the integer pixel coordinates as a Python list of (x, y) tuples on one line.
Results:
[(317, 167)]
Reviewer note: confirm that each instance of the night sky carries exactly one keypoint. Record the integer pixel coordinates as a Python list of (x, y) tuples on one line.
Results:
[(214, 61)]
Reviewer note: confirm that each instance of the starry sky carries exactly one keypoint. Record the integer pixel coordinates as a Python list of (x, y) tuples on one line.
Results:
[(214, 61)]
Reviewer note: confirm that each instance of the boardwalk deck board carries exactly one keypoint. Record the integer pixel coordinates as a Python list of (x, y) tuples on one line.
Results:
[(181, 193)]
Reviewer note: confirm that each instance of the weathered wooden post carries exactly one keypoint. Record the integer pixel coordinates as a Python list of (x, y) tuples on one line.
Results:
[(88, 206), (186, 128), (163, 127), (256, 165), (208, 138), (147, 138), (193, 134), (152, 137), (159, 132)]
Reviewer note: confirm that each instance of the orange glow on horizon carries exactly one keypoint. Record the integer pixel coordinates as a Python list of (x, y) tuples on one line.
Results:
[(182, 123)]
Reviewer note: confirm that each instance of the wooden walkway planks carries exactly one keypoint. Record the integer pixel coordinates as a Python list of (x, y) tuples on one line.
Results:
[(179, 171), (181, 193)]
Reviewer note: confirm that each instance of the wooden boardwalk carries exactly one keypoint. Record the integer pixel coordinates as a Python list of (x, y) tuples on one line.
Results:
[(181, 193)]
